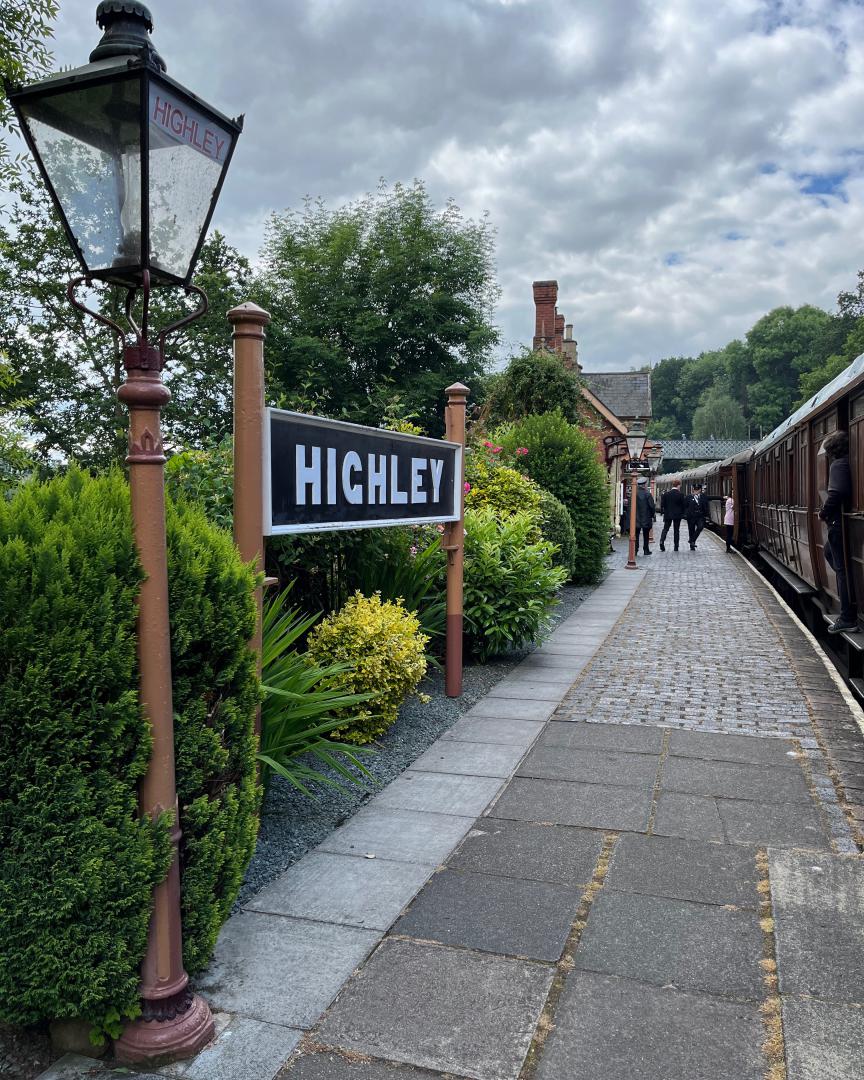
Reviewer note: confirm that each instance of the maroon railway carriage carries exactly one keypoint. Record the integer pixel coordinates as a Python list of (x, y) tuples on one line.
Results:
[(778, 488)]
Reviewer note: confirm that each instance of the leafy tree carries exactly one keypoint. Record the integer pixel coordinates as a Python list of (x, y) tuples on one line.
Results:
[(69, 368), (672, 416), (24, 27), (384, 292), (533, 383), (719, 415), (814, 380)]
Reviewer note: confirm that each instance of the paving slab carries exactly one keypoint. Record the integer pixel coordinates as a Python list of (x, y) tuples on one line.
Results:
[(722, 747), (615, 1029), (456, 1011), (684, 870), (439, 793), (280, 970), (538, 660), (771, 824), (77, 1067), (591, 766), (561, 802), (347, 889), (823, 1041), (541, 686), (629, 738), (469, 759), (523, 849), (507, 732), (494, 914), (510, 708), (406, 835), (698, 947), (818, 902), (734, 780), (246, 1048), (336, 1067)]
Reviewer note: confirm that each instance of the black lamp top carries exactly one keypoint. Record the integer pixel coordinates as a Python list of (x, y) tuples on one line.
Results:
[(126, 24)]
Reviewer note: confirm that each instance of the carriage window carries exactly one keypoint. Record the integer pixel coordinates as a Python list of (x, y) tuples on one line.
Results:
[(856, 408)]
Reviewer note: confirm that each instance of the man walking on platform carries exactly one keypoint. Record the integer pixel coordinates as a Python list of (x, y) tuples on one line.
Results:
[(836, 448), (646, 511), (672, 509), (696, 511)]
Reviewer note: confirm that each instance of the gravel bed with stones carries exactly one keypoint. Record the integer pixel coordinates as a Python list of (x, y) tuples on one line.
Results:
[(292, 823)]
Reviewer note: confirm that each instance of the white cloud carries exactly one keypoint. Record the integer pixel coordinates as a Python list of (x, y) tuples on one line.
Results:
[(655, 158)]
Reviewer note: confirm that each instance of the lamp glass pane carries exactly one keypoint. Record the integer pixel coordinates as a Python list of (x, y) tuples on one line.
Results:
[(188, 152), (89, 141)]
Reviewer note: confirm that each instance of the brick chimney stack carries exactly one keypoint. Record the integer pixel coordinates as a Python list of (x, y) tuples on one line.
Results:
[(558, 344), (569, 349), (545, 298)]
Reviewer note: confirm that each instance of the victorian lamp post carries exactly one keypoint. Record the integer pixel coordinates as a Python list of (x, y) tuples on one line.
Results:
[(134, 163), (635, 445)]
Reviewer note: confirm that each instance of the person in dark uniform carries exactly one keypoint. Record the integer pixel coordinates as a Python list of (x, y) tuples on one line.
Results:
[(672, 509), (836, 448), (646, 511), (696, 511)]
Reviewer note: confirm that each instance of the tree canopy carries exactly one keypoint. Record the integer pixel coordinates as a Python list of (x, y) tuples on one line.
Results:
[(383, 294), (535, 382), (25, 26)]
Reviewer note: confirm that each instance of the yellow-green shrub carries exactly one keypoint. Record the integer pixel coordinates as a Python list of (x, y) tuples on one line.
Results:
[(500, 488), (383, 650)]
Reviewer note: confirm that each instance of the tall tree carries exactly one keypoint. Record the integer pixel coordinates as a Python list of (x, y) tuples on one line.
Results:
[(25, 26), (68, 369), (535, 382), (381, 294), (719, 415)]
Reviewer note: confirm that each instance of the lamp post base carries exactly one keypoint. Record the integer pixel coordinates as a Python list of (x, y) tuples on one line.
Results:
[(171, 1039)]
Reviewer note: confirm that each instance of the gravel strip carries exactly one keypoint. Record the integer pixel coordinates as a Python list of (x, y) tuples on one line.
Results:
[(292, 823)]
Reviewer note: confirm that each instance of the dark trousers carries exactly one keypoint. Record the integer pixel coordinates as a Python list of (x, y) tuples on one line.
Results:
[(730, 532), (642, 532), (694, 527), (834, 558), (675, 525)]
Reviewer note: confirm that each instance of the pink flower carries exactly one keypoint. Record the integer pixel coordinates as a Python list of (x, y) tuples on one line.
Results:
[(497, 449), (467, 487), (486, 442), (521, 450)]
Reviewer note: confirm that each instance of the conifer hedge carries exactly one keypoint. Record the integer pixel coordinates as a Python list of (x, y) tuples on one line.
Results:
[(77, 862)]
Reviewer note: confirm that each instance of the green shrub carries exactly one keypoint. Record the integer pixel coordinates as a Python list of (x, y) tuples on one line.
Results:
[(206, 478), (556, 526), (563, 460), (510, 583), (215, 694), (535, 382), (77, 863), (500, 488), (383, 649), (300, 700)]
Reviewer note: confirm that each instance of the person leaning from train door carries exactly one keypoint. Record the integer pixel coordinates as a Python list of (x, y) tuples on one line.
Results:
[(836, 448), (646, 511), (672, 510), (696, 511)]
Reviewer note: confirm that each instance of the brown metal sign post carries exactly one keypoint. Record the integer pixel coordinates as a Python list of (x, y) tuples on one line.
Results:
[(249, 322), (454, 545)]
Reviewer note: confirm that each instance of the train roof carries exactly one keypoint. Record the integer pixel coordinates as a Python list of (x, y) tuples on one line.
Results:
[(838, 383)]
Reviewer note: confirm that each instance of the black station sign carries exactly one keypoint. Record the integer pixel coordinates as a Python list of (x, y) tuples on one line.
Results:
[(321, 475)]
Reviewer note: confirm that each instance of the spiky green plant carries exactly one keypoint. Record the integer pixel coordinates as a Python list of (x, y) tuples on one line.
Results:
[(300, 700)]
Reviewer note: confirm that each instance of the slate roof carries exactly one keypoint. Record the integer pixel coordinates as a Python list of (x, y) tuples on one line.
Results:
[(625, 393)]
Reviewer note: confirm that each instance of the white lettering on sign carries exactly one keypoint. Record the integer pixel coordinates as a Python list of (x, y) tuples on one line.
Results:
[(376, 479), (437, 467), (331, 476), (172, 120), (418, 465), (396, 495), (353, 492), (308, 475)]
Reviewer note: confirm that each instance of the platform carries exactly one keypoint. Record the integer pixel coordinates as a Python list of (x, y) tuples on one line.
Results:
[(638, 856)]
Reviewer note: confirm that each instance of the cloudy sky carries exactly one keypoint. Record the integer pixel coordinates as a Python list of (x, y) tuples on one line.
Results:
[(680, 166)]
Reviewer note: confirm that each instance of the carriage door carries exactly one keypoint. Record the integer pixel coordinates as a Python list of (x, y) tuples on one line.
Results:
[(855, 519), (818, 430)]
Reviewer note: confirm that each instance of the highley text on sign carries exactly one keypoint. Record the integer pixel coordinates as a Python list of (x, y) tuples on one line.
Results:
[(326, 474), (173, 121)]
